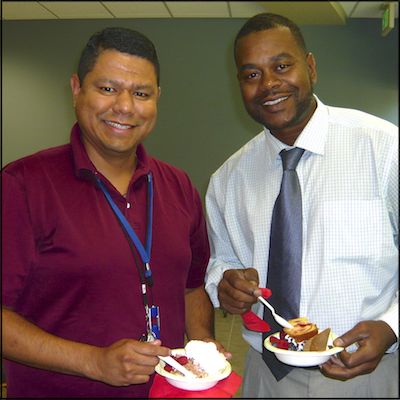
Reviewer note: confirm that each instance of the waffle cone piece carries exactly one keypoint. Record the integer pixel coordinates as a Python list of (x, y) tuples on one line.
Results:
[(318, 342)]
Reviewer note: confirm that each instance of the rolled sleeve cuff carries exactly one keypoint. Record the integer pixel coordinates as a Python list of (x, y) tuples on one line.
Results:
[(391, 317), (213, 277)]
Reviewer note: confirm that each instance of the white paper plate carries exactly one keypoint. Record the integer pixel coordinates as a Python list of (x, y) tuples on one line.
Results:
[(185, 383), (300, 358)]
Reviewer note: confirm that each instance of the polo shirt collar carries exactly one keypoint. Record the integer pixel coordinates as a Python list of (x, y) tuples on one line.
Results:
[(85, 169), (312, 138)]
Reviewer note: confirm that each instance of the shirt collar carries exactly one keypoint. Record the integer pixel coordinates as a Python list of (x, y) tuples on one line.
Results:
[(312, 138), (85, 169)]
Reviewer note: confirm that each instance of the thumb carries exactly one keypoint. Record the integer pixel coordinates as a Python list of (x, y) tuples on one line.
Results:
[(347, 339), (251, 275), (338, 342)]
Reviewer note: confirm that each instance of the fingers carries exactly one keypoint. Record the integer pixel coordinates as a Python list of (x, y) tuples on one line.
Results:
[(236, 290), (154, 348), (377, 333), (372, 339), (251, 275), (244, 280), (220, 347), (129, 361), (336, 368), (227, 354), (134, 372), (143, 353)]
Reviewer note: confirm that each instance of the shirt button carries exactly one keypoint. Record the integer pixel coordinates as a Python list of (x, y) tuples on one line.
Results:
[(128, 205)]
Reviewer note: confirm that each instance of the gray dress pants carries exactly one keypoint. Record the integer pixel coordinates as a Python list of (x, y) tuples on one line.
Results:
[(258, 381)]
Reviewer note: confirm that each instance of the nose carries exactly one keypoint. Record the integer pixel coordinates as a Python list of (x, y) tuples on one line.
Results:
[(124, 103), (271, 81)]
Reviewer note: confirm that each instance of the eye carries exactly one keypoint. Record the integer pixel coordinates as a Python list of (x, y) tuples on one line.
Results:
[(248, 76), (107, 89), (140, 94), (281, 67), (252, 75)]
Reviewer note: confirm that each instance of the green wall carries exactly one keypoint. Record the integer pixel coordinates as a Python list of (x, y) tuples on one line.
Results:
[(201, 117)]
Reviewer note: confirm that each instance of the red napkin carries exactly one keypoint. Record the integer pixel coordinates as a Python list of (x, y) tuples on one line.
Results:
[(225, 388), (254, 323)]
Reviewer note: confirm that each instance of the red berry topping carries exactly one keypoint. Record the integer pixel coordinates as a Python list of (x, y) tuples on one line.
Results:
[(279, 343), (182, 360), (168, 368)]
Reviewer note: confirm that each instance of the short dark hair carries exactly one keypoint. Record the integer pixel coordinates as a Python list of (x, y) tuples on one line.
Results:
[(264, 21), (123, 40)]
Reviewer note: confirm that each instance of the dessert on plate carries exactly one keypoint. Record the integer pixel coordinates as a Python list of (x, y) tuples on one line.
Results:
[(304, 336), (201, 358)]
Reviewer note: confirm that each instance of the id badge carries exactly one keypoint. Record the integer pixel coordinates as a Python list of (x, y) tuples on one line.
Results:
[(153, 322)]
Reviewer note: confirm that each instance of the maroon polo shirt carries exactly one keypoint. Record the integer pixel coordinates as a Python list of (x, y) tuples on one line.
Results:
[(67, 265)]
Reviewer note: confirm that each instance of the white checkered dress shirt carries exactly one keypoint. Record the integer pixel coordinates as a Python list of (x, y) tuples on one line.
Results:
[(349, 181)]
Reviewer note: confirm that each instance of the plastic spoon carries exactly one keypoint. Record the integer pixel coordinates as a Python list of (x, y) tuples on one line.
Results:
[(173, 363), (280, 320)]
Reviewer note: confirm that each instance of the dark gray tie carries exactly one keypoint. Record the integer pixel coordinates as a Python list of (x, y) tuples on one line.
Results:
[(284, 262)]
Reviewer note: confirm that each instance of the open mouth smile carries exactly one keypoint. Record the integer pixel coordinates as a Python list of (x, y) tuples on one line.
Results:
[(274, 102), (118, 125)]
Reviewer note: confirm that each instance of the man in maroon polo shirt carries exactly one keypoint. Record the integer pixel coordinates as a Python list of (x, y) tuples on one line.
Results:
[(77, 285)]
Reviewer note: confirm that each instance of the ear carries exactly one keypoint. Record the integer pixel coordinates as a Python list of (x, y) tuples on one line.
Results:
[(312, 67), (159, 92), (75, 87)]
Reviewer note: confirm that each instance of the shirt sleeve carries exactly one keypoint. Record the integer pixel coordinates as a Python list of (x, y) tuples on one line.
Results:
[(18, 242), (391, 187), (222, 255), (198, 243), (391, 316)]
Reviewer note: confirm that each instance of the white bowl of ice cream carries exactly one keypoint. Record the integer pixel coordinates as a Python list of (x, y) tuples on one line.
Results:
[(204, 359)]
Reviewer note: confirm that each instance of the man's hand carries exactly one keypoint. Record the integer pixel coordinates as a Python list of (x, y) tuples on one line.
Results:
[(238, 290), (200, 318), (373, 339), (220, 347), (123, 363), (126, 362)]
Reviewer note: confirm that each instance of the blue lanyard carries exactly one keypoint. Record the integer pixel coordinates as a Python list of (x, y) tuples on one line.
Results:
[(144, 252)]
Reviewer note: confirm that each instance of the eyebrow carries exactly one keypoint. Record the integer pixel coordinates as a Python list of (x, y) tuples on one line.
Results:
[(118, 83), (247, 66), (276, 58)]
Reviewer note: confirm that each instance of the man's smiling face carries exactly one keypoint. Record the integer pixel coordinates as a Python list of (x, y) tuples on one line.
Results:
[(116, 104), (276, 79)]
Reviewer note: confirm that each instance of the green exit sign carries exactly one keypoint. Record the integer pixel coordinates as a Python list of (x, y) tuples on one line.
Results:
[(388, 18)]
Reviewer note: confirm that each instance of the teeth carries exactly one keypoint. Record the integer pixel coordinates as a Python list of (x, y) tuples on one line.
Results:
[(273, 102), (117, 125)]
